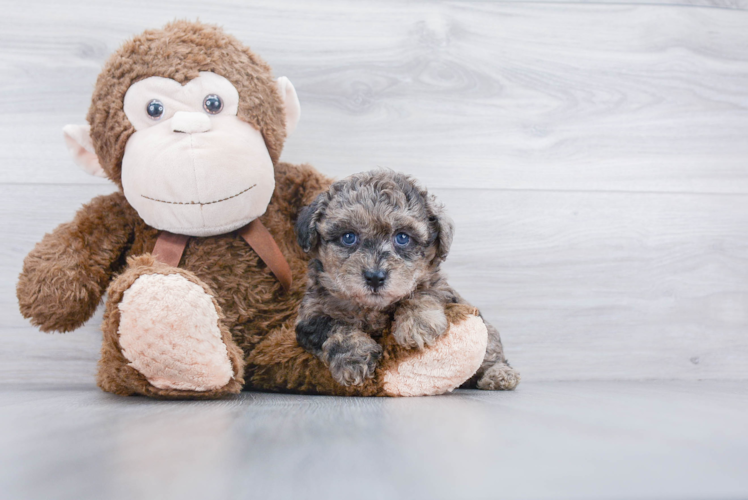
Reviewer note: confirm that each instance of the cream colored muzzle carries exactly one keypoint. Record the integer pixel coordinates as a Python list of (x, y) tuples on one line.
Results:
[(190, 171), (190, 122)]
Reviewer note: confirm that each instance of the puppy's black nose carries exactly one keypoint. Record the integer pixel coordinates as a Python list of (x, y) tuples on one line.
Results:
[(375, 279)]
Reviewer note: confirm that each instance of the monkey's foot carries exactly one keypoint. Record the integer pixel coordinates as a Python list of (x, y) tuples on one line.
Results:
[(170, 340), (451, 360)]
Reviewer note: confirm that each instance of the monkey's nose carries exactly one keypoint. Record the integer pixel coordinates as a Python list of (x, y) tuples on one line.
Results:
[(375, 279), (190, 122)]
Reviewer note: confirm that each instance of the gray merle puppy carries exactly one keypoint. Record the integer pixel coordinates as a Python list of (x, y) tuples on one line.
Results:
[(377, 240)]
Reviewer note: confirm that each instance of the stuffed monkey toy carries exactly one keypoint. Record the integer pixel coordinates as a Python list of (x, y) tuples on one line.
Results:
[(196, 250)]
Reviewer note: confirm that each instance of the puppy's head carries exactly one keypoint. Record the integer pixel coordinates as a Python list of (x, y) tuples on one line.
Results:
[(376, 236)]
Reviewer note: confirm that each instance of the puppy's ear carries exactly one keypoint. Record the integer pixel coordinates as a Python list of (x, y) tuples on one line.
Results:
[(444, 227), (306, 225)]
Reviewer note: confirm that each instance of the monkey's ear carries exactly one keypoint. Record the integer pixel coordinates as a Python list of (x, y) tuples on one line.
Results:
[(78, 141), (291, 105), (306, 225), (445, 228)]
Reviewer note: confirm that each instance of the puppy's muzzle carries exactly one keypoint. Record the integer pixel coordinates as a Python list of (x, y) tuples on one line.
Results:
[(375, 279)]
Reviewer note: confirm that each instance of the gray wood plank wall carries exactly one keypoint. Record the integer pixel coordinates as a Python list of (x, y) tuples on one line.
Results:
[(594, 156)]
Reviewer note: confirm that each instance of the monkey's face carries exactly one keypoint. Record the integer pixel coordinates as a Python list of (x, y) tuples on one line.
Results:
[(377, 236), (189, 122), (192, 166)]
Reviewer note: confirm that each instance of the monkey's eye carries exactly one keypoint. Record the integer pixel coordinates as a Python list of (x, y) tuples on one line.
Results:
[(213, 104), (155, 109), (349, 239), (402, 239)]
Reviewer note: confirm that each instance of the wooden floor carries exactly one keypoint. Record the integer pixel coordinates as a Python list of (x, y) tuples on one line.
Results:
[(548, 440)]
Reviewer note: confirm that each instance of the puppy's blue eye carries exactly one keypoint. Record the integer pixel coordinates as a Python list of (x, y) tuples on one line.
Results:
[(349, 239), (402, 239)]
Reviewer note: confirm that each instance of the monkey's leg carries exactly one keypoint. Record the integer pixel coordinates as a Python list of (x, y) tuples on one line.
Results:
[(441, 367), (164, 336), (279, 363), (494, 374)]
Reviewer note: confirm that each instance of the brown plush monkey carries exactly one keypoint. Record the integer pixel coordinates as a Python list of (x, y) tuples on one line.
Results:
[(197, 247)]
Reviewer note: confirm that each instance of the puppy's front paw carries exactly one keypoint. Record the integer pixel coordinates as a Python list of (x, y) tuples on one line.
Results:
[(351, 360), (419, 327)]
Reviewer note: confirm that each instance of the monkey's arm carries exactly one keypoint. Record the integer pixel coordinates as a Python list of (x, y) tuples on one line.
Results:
[(66, 273)]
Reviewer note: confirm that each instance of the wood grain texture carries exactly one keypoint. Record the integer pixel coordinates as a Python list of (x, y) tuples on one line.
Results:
[(593, 154), (699, 4), (586, 440), (508, 95)]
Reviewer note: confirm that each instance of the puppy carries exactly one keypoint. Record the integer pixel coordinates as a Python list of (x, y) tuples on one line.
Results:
[(377, 240)]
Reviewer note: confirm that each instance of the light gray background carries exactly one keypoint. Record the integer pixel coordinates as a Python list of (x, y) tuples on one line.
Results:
[(594, 156)]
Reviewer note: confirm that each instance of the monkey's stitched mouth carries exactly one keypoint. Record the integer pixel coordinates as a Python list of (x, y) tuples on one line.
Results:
[(197, 202)]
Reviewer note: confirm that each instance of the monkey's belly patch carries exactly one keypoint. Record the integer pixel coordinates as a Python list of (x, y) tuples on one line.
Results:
[(169, 332), (451, 361)]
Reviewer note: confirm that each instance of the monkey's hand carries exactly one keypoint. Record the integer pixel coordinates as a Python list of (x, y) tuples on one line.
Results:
[(65, 275), (419, 322), (352, 356)]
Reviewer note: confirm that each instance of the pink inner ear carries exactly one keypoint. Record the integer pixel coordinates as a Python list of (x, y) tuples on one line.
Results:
[(291, 105), (80, 148)]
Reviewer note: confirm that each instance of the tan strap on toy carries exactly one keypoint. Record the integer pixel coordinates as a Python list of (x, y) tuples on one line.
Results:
[(262, 242), (170, 247)]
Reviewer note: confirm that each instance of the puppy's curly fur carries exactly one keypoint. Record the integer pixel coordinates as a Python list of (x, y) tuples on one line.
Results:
[(377, 240)]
